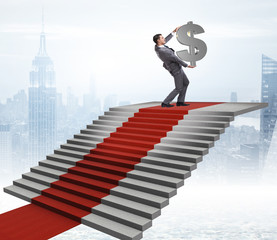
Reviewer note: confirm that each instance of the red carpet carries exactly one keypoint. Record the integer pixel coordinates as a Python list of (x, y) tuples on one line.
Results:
[(82, 188), (32, 222)]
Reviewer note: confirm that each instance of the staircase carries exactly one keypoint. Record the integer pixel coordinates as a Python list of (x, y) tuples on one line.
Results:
[(118, 173)]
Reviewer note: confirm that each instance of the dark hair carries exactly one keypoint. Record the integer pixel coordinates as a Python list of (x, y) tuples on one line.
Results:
[(156, 37)]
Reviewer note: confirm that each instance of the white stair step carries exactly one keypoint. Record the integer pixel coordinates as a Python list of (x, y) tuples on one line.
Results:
[(30, 185), (96, 132), (175, 155), (198, 129), (63, 159), (139, 196), (35, 177), (50, 172), (70, 153), (114, 118), (192, 135), (156, 178), (89, 137), (132, 206), (21, 193), (112, 228), (78, 148), (108, 122), (83, 142), (188, 142), (189, 166), (120, 216), (119, 113), (102, 127), (181, 149), (188, 122), (144, 186), (208, 117), (56, 165), (167, 171)]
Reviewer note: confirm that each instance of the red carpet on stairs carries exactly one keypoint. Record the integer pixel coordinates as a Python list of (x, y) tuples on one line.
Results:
[(32, 222), (76, 192)]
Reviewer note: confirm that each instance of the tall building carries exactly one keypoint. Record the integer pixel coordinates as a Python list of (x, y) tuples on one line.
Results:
[(269, 95), (5, 149), (42, 104), (234, 97)]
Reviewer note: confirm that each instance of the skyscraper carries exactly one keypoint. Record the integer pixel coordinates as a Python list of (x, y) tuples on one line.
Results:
[(42, 104), (269, 95)]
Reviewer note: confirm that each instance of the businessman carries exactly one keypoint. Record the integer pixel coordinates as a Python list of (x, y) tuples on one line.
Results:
[(174, 65)]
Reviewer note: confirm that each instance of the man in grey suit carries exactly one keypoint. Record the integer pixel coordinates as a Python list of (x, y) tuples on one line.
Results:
[(174, 65)]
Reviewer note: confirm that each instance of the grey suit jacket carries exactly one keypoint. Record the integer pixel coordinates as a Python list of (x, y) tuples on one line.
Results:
[(170, 61)]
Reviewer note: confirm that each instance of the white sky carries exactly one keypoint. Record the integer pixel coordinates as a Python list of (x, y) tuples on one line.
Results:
[(112, 41)]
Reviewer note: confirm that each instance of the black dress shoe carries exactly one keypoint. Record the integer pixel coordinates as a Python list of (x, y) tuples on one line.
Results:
[(181, 104), (167, 105)]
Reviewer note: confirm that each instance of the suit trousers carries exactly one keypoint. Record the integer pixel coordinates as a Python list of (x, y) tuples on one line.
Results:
[(181, 83)]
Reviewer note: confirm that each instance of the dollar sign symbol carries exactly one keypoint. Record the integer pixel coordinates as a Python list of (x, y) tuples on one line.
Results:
[(197, 48)]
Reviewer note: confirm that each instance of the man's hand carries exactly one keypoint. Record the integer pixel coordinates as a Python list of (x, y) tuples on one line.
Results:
[(176, 29), (189, 66)]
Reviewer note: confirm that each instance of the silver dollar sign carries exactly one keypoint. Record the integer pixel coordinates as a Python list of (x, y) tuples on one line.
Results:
[(197, 48)]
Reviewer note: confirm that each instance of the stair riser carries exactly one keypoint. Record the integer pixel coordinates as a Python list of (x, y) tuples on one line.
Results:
[(135, 137), (181, 150), (114, 163), (122, 220), (140, 200), (116, 155), (99, 178), (87, 144), (37, 180), (132, 210), (208, 118), (204, 124), (98, 133), (76, 148), (178, 158), (160, 121), (70, 154), (142, 131), (162, 172), (159, 115), (197, 130), (72, 191), (56, 210), (108, 123), (102, 169), (83, 184), (120, 114), (91, 137), (186, 143), (30, 188), (148, 190), (114, 118), (72, 203), (129, 143), (101, 127), (147, 126), (192, 136), (53, 166), (168, 164), (212, 113), (67, 161), (45, 173), (123, 149), (156, 181)]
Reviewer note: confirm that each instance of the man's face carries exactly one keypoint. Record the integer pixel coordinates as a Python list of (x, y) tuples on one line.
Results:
[(161, 40)]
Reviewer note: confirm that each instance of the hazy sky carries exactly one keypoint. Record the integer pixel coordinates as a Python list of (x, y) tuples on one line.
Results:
[(112, 41)]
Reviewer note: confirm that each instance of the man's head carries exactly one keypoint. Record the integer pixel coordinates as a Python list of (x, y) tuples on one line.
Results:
[(159, 39)]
